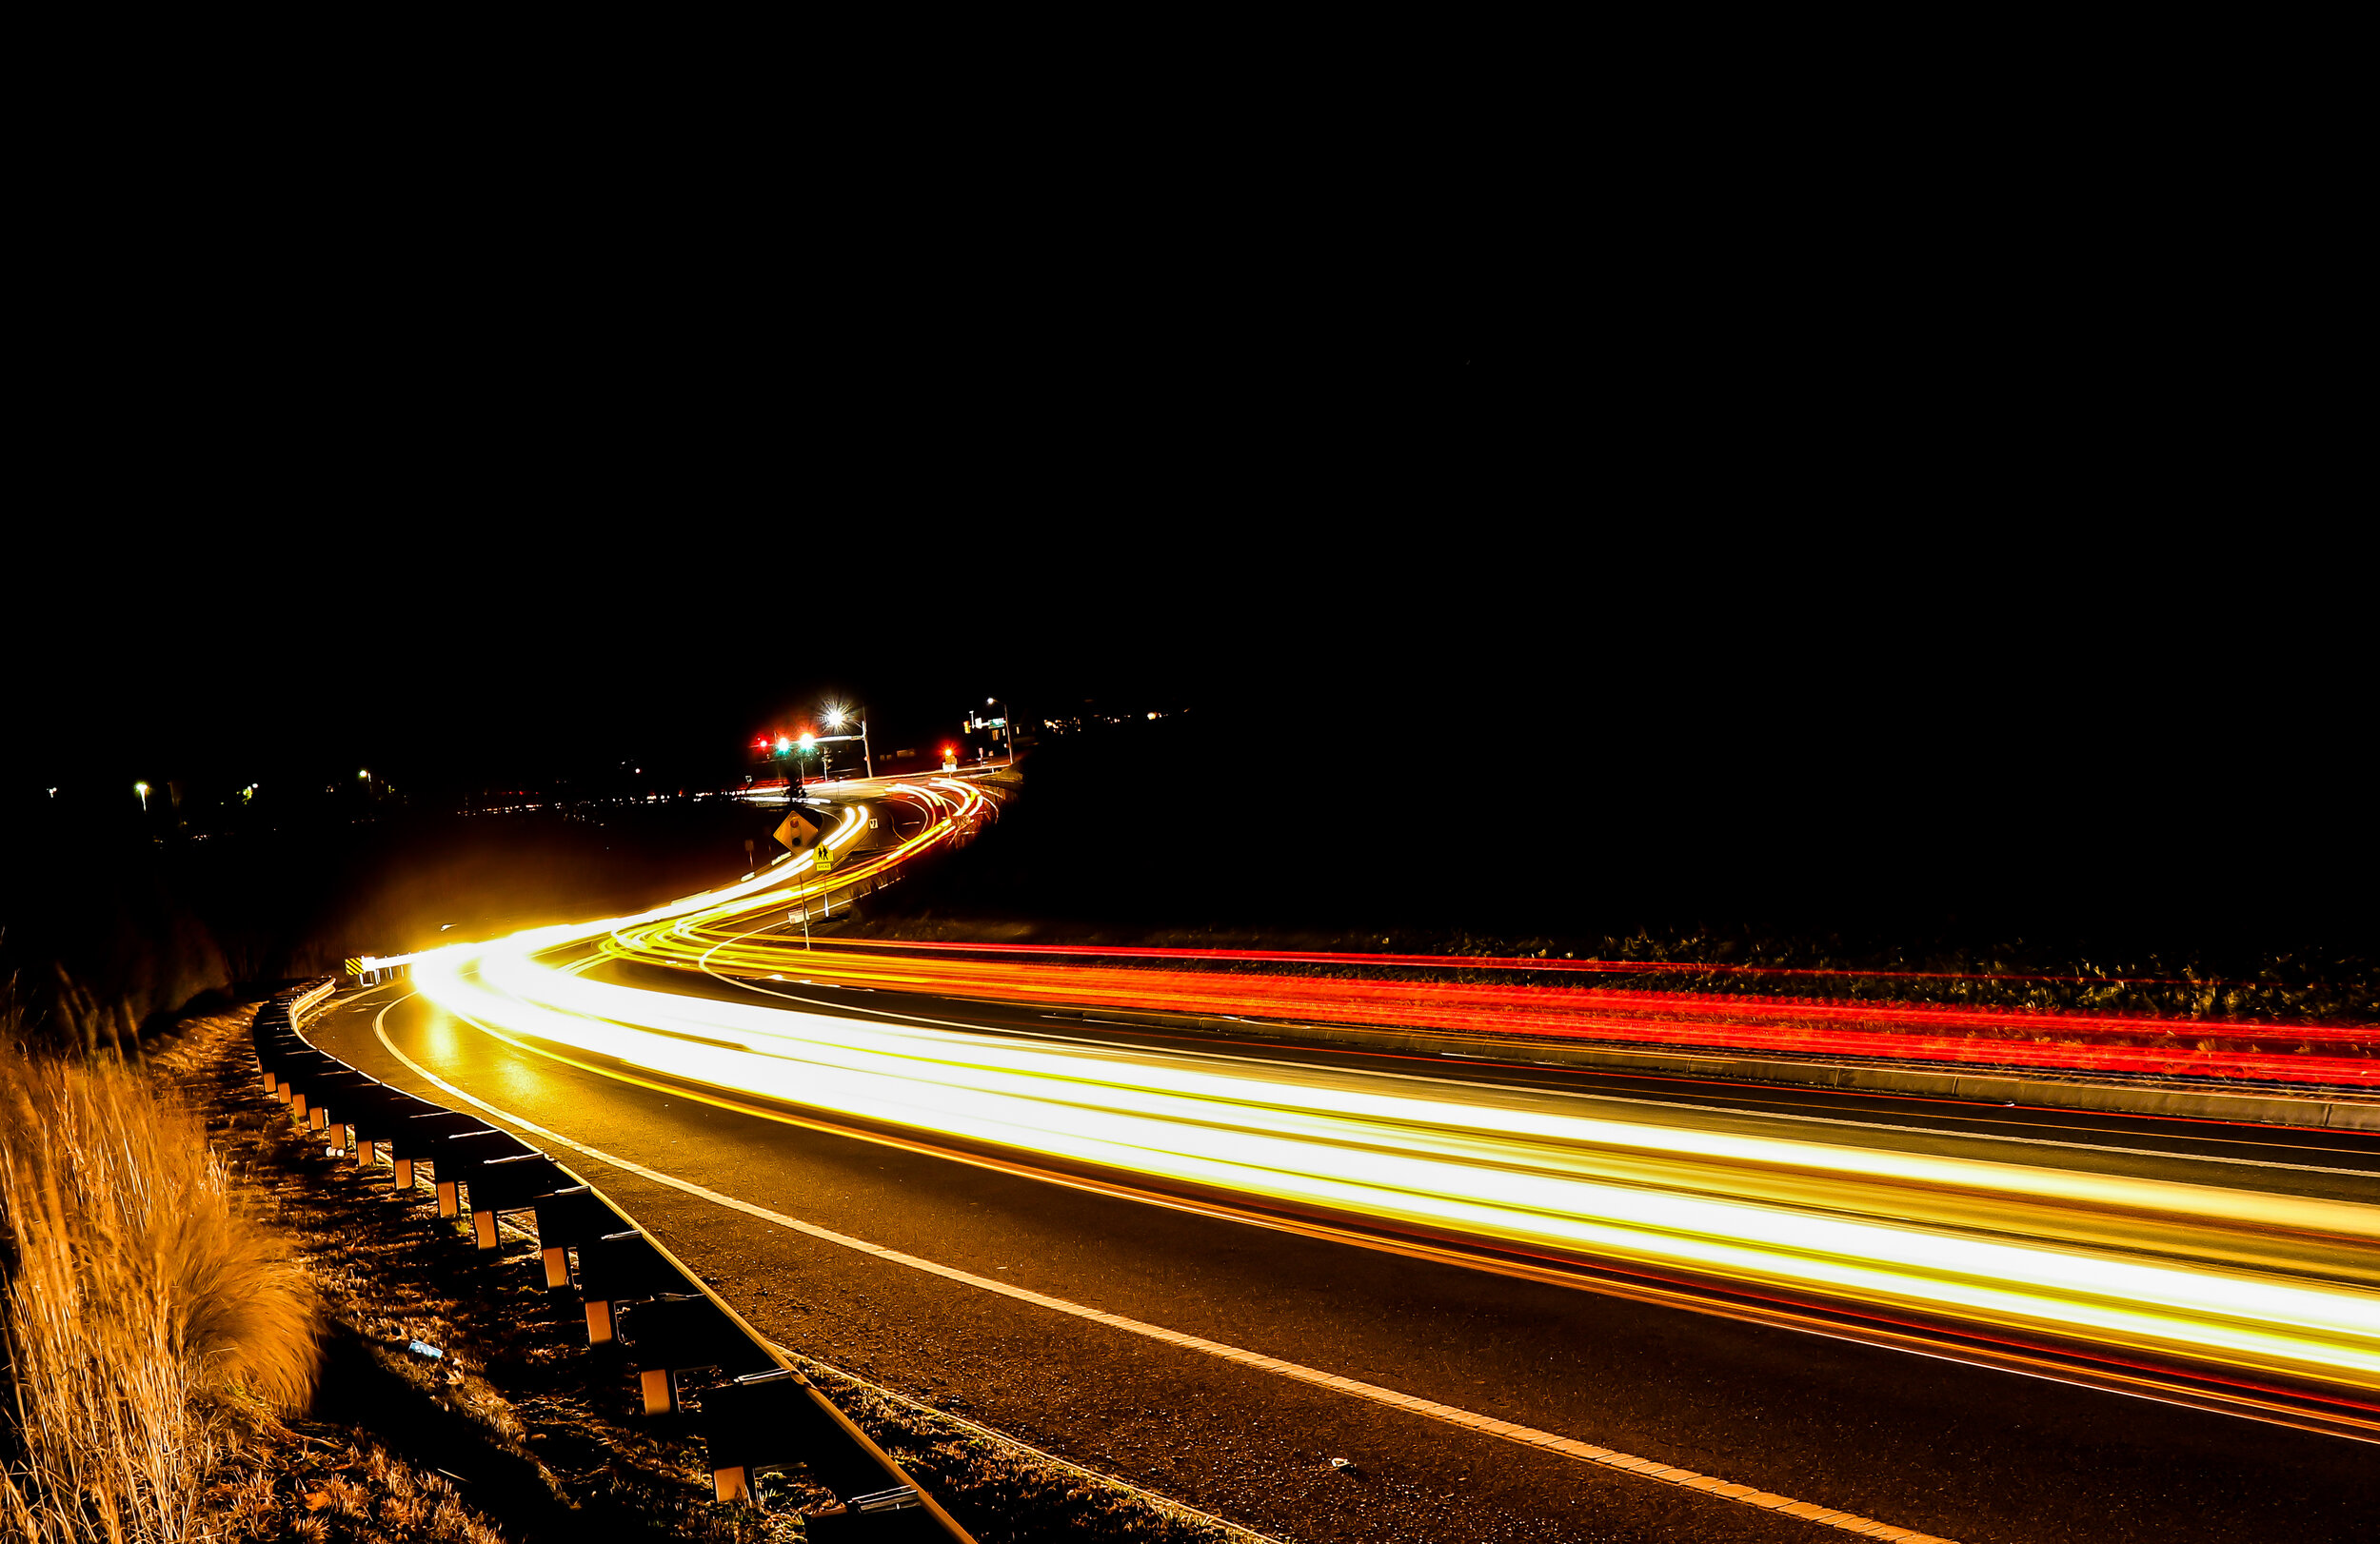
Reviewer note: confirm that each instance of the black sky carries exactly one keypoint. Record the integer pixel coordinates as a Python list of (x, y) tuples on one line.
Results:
[(1854, 560)]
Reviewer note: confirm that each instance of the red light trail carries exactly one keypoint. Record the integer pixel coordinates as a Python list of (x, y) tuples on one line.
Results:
[(2301, 1054)]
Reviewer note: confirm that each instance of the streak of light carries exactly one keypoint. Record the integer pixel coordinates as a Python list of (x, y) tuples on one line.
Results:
[(957, 806), (2304, 1053), (2272, 1291)]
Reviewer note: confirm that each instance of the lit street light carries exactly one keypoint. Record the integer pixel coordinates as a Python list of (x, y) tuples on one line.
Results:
[(836, 719), (142, 789), (1008, 725)]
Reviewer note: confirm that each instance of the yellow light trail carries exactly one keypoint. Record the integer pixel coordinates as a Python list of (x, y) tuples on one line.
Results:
[(955, 804), (2278, 1291)]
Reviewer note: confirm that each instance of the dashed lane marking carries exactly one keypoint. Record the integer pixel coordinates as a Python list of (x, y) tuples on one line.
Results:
[(1449, 1414)]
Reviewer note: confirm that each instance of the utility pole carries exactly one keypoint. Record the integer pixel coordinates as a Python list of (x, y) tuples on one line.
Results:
[(1007, 725)]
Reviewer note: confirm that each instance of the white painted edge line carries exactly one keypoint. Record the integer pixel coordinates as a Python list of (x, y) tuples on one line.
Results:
[(1430, 1409), (1165, 1502)]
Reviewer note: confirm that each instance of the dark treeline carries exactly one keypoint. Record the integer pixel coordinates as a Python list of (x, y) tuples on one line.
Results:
[(1907, 850), (108, 924)]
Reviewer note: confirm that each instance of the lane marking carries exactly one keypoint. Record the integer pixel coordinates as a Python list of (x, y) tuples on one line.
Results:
[(993, 1433), (1429, 1409)]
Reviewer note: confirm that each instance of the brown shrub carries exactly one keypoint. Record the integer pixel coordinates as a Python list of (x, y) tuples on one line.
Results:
[(139, 1310)]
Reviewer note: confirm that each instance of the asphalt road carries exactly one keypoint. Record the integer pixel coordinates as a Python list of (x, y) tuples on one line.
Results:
[(1937, 1446)]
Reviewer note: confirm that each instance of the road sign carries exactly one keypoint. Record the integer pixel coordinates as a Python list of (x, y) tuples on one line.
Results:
[(355, 964), (797, 833), (824, 860)]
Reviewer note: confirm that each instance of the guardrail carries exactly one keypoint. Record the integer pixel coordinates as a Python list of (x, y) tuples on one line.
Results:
[(693, 1356)]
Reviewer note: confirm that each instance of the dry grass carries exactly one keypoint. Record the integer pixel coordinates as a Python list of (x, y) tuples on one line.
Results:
[(338, 1489), (143, 1316)]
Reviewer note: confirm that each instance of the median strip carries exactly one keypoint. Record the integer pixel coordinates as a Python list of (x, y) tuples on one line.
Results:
[(1449, 1414)]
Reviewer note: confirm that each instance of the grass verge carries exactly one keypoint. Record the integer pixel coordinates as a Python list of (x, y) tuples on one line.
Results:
[(166, 1357)]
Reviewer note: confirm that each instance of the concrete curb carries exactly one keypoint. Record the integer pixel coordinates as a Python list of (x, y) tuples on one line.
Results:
[(1956, 1083)]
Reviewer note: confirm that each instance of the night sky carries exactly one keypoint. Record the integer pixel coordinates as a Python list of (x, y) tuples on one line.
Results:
[(1825, 622)]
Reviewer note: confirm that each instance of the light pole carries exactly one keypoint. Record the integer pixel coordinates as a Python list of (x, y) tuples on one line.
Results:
[(836, 719), (142, 789), (1008, 725)]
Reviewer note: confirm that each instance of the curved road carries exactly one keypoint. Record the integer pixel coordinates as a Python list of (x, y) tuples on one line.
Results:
[(1228, 1363)]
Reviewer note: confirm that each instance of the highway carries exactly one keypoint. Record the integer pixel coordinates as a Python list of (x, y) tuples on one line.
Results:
[(1503, 1292)]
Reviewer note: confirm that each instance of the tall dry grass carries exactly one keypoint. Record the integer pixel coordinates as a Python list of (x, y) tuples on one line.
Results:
[(140, 1311)]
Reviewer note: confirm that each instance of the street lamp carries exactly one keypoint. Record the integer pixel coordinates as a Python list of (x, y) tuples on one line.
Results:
[(1008, 725), (837, 718), (142, 789)]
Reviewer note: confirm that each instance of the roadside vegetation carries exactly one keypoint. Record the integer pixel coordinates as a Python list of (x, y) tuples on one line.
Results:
[(159, 1342), (150, 1326)]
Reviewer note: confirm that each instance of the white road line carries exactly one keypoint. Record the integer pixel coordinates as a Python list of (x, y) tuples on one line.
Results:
[(1449, 1414), (993, 1433)]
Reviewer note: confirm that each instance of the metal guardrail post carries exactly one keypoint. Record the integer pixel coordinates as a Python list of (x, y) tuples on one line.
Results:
[(670, 1324)]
